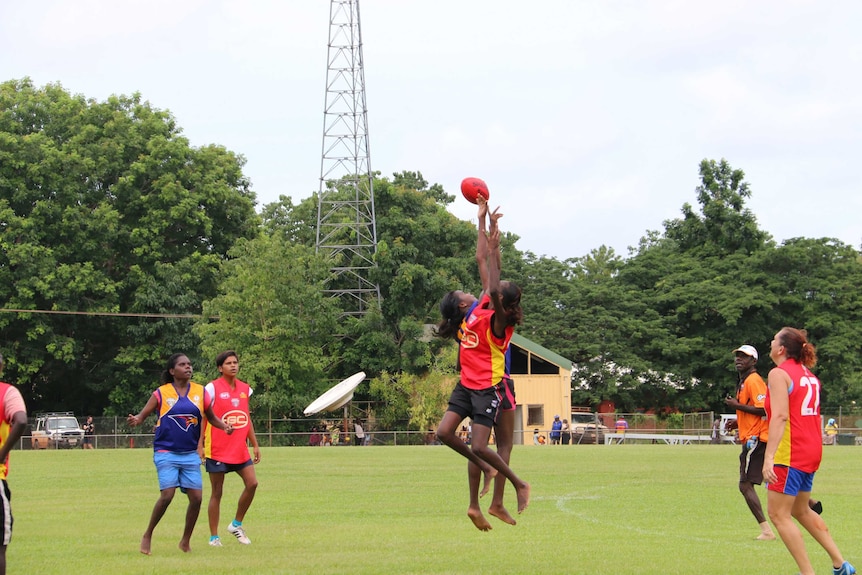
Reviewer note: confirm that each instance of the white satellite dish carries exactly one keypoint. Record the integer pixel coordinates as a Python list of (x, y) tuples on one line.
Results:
[(336, 396)]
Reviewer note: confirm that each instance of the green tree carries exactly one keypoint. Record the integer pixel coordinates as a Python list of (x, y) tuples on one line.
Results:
[(106, 208), (272, 310)]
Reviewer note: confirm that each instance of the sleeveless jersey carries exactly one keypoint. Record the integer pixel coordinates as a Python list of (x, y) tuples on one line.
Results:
[(4, 428), (231, 406), (801, 446), (179, 426), (752, 392), (482, 355)]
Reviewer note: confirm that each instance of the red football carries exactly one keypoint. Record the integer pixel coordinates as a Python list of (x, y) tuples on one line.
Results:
[(472, 188)]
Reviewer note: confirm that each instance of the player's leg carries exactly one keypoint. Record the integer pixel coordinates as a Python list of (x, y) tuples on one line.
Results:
[(214, 505), (192, 513), (474, 512), (814, 524), (192, 484), (504, 431), (249, 480), (779, 506), (162, 504)]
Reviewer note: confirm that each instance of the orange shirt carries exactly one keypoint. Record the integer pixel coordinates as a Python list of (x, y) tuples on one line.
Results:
[(752, 392)]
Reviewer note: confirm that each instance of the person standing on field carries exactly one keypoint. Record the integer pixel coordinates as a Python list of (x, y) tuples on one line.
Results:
[(225, 453), (13, 422), (89, 433), (182, 405), (795, 449), (753, 432)]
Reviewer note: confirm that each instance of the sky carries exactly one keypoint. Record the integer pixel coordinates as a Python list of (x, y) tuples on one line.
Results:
[(587, 119)]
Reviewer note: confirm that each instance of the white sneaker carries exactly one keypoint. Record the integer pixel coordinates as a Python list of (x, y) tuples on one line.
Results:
[(215, 542), (239, 533)]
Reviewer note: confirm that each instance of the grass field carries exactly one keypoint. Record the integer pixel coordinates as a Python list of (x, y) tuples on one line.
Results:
[(629, 509)]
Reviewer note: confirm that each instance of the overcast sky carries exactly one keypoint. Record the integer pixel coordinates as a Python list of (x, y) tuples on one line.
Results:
[(587, 119)]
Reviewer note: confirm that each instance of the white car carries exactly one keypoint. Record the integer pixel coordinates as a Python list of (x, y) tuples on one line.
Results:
[(586, 428), (56, 430)]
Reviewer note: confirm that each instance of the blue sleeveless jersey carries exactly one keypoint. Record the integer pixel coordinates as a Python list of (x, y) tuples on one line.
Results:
[(179, 427)]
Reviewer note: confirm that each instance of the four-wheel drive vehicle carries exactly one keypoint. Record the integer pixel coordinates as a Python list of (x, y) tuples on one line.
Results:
[(56, 430), (586, 428)]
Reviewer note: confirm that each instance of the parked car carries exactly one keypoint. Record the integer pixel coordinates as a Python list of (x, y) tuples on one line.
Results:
[(56, 430), (586, 428)]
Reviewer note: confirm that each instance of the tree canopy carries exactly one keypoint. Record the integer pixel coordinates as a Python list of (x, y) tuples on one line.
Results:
[(122, 243)]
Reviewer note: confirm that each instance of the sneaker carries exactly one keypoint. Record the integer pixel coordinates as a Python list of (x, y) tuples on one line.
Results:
[(845, 569), (240, 535), (215, 542), (817, 508)]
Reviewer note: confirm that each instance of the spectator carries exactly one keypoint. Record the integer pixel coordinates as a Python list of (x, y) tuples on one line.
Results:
[(358, 432), (314, 438), (621, 426), (566, 432), (831, 431), (556, 430), (89, 433), (536, 436)]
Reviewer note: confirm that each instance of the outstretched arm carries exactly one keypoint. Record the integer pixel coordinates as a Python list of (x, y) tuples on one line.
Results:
[(499, 322), (482, 242), (136, 420)]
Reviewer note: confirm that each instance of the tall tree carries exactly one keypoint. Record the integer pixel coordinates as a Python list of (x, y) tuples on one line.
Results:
[(272, 310), (105, 207)]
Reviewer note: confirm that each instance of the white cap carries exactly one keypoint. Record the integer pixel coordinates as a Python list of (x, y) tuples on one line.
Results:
[(747, 350)]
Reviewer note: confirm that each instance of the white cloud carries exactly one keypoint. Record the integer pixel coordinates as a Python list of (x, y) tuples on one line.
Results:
[(588, 120)]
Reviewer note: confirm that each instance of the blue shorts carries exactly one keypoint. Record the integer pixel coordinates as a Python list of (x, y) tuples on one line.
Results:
[(181, 470), (791, 481)]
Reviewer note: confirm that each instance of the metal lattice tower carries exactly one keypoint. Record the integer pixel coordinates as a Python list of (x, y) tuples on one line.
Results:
[(346, 225)]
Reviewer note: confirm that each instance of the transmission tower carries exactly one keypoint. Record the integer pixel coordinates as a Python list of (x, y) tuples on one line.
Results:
[(346, 225)]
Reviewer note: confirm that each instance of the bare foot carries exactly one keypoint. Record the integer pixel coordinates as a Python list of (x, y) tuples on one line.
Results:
[(145, 544), (502, 514), (478, 519), (185, 546), (523, 497), (489, 479), (765, 537)]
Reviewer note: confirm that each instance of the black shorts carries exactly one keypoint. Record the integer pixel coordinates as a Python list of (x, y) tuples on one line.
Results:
[(751, 463), (5, 514), (213, 466), (480, 405)]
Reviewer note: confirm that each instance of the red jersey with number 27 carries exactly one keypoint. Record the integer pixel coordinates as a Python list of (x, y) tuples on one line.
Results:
[(483, 355), (801, 446)]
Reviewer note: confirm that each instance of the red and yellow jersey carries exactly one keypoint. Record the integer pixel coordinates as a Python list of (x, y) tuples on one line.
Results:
[(230, 404), (482, 355), (801, 446), (179, 426), (11, 403), (752, 392)]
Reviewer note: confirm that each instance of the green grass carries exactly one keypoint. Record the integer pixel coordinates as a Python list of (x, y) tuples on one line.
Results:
[(638, 509)]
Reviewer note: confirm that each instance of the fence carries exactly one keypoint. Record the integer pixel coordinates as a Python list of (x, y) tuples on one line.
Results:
[(115, 433)]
